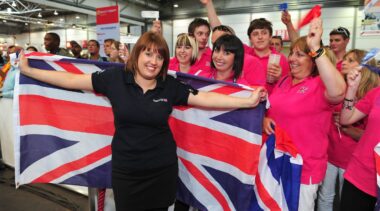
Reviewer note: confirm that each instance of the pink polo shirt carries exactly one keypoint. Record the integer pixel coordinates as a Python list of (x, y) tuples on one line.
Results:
[(361, 170), (253, 71), (264, 63), (204, 63), (341, 146), (174, 65), (211, 74), (302, 110), (339, 65)]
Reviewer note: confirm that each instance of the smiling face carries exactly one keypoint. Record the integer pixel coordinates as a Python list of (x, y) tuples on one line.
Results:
[(114, 51), (260, 39), (183, 54), (149, 64), (223, 60), (301, 64)]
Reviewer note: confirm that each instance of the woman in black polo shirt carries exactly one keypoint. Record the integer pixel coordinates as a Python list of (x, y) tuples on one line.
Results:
[(144, 161)]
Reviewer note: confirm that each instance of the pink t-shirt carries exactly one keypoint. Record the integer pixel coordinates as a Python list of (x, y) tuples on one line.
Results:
[(212, 72), (264, 63), (174, 65), (204, 63), (302, 110), (339, 65), (341, 146), (361, 170), (253, 71)]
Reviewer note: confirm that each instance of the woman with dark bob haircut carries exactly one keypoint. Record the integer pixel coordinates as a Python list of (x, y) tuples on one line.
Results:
[(227, 59), (144, 160)]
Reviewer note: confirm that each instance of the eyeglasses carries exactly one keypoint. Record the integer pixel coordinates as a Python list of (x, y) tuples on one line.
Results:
[(342, 30), (223, 28)]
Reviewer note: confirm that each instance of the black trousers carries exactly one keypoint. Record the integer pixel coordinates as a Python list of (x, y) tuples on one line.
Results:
[(355, 199)]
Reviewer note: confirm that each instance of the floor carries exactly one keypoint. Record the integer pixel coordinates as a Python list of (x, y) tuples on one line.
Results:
[(39, 197)]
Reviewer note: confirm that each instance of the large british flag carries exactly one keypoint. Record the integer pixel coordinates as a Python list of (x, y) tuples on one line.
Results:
[(64, 137)]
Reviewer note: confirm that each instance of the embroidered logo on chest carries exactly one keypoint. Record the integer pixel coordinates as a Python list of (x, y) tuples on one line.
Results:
[(303, 89), (160, 100)]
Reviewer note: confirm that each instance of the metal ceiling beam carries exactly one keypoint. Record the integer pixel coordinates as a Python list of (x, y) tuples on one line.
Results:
[(81, 8)]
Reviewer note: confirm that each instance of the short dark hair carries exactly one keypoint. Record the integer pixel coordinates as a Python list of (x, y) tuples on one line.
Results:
[(55, 36), (32, 47), (109, 40), (280, 38), (197, 22), (341, 31), (233, 44), (260, 23), (150, 41), (96, 42)]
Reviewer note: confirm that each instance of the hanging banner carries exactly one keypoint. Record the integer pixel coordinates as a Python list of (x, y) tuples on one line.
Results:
[(371, 18), (107, 25)]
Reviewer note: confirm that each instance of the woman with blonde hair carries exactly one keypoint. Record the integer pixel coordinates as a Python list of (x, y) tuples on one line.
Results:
[(186, 53), (343, 139)]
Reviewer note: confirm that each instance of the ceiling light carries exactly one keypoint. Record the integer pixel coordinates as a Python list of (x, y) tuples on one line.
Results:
[(61, 19), (4, 21), (77, 17), (9, 10), (175, 5), (38, 22), (26, 24), (39, 15), (74, 26), (55, 12), (14, 4)]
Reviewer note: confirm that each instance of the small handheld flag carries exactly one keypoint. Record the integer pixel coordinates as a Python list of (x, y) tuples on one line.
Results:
[(315, 12)]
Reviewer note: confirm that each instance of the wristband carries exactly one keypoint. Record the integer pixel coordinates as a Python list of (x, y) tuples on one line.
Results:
[(349, 100), (316, 54)]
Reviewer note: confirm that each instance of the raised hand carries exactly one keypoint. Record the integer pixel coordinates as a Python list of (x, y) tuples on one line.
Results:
[(205, 1), (286, 18), (156, 28), (354, 77), (313, 38)]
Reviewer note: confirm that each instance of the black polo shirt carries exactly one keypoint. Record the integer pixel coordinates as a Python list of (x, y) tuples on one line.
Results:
[(142, 138)]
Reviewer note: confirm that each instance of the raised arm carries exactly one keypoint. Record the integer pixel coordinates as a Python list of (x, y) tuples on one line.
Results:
[(332, 79), (211, 13), (287, 20), (215, 100), (156, 27), (349, 113), (56, 78)]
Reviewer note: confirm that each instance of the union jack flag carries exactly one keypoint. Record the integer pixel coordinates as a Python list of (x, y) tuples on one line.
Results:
[(65, 136), (377, 159)]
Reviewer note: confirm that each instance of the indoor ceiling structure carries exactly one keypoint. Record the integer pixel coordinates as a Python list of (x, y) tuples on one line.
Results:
[(23, 15)]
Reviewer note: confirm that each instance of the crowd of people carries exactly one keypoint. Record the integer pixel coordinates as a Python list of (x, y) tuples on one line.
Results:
[(319, 94)]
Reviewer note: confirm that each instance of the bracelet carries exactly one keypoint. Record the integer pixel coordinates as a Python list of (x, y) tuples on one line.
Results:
[(316, 54), (348, 104), (348, 100)]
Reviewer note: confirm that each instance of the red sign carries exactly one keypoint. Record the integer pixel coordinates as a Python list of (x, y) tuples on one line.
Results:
[(107, 15)]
